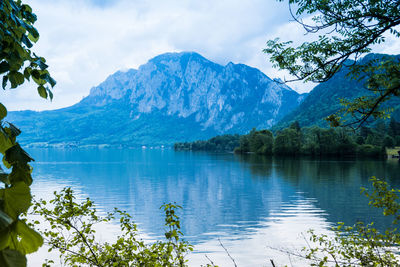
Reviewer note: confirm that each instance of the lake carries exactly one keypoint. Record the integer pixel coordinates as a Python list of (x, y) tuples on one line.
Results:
[(254, 205)]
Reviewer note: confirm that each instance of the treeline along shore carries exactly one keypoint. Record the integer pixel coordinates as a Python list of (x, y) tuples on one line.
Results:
[(312, 141)]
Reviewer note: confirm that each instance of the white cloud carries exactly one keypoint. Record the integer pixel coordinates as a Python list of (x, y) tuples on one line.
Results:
[(84, 41)]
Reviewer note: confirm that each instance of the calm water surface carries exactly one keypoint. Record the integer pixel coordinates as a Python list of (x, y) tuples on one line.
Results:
[(248, 203)]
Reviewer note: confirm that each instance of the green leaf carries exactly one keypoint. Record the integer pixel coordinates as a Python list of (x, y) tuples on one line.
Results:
[(48, 79), (4, 83), (27, 73), (26, 240), (3, 111), (14, 130), (20, 174), (5, 238), (42, 91), (35, 74), (32, 38), (16, 199), (16, 78), (41, 64), (6, 163), (34, 33), (5, 142), (26, 41), (12, 258), (26, 8), (4, 67), (16, 154), (4, 177), (50, 94), (5, 220)]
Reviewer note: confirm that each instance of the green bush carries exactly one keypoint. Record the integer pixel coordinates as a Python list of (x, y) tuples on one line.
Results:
[(71, 232), (397, 139), (368, 150), (261, 142), (388, 141), (360, 140), (361, 244), (218, 143)]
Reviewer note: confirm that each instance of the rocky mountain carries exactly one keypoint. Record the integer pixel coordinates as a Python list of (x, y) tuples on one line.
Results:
[(173, 97), (324, 99)]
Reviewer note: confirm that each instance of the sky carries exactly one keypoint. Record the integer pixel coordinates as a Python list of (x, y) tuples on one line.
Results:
[(84, 41)]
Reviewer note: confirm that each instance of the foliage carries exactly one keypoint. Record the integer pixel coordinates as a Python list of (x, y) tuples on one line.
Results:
[(287, 142), (218, 143), (394, 128), (17, 35), (388, 141), (371, 151), (324, 99), (316, 141), (260, 142), (244, 144), (17, 64), (362, 244), (347, 31), (72, 233), (16, 238)]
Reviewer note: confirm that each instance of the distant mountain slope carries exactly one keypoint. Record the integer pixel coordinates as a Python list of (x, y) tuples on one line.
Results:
[(173, 97), (323, 100)]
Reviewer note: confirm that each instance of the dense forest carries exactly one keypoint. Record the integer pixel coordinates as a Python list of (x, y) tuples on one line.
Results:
[(314, 141), (220, 143)]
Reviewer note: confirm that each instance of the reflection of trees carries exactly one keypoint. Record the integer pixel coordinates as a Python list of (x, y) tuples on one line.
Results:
[(288, 167), (393, 166), (334, 183), (259, 165)]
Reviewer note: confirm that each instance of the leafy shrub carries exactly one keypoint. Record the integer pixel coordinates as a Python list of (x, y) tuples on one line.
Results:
[(388, 141), (360, 140), (361, 244), (368, 150), (72, 234)]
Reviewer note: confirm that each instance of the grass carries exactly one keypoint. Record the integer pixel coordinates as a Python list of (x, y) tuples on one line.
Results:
[(392, 151)]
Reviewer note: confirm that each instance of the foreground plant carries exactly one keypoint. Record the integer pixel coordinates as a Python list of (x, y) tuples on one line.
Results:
[(346, 31), (16, 237), (72, 233), (17, 65), (361, 244)]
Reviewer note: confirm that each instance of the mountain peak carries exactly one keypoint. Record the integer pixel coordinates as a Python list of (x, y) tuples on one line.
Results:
[(186, 84), (178, 56), (175, 97)]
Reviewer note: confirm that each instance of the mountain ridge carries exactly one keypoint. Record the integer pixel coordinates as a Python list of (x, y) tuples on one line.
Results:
[(197, 97)]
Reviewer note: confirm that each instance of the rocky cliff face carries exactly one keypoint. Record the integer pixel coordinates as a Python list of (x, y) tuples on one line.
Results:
[(224, 98), (182, 95)]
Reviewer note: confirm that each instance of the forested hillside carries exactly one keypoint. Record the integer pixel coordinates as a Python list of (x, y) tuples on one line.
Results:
[(324, 99)]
